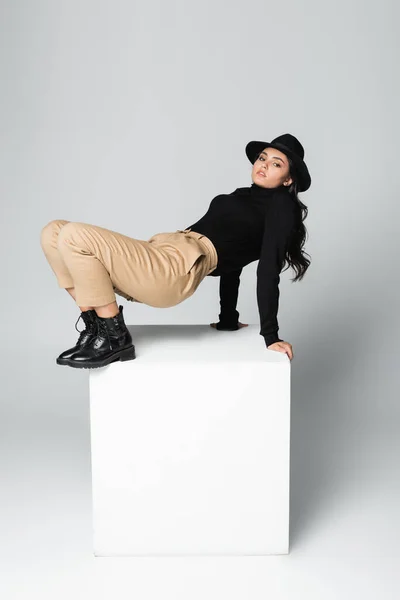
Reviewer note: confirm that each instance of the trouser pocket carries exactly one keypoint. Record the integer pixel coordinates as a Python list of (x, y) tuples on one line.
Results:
[(188, 248)]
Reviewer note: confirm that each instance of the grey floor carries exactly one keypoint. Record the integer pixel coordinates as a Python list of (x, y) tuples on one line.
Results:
[(344, 495)]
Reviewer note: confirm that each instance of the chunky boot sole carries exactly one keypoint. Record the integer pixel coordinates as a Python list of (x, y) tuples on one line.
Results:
[(122, 355)]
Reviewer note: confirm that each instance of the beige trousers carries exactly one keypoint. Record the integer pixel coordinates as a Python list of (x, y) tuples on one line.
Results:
[(99, 263)]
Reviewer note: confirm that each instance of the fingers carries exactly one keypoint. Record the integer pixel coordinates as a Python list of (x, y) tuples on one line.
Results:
[(287, 348), (284, 347)]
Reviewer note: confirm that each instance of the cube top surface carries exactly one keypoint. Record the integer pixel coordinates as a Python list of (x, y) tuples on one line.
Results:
[(200, 343)]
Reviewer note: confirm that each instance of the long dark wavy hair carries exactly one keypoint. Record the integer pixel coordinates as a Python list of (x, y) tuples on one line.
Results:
[(295, 256)]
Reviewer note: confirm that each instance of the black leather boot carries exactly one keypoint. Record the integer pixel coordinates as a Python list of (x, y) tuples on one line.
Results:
[(110, 343), (89, 318)]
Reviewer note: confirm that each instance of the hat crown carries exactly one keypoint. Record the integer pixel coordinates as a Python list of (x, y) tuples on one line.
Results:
[(290, 142)]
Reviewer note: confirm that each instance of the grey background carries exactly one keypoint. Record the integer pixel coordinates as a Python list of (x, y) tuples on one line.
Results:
[(133, 116)]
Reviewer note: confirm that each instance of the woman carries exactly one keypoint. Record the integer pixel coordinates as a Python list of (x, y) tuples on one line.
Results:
[(262, 222)]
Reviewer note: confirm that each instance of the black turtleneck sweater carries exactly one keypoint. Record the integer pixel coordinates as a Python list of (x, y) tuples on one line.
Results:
[(251, 223)]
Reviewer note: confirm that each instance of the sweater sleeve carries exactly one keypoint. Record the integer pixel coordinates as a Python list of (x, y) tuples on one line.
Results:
[(279, 223), (228, 293)]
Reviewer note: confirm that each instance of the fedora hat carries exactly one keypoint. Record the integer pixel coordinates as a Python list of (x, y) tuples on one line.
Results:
[(290, 146)]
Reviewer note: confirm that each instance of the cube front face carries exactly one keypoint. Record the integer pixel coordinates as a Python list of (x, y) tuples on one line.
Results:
[(190, 459)]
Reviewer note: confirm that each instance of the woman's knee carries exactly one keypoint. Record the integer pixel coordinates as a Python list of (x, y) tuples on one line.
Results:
[(70, 230), (51, 230)]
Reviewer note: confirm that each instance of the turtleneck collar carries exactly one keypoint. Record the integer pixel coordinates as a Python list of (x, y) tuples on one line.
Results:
[(260, 192)]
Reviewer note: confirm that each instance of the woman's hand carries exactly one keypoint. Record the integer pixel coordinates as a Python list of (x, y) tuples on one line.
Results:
[(239, 325), (282, 347)]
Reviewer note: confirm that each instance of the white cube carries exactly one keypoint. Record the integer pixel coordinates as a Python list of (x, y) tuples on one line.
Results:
[(190, 445)]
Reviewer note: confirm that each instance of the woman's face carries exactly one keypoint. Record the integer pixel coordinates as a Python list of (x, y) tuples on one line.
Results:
[(271, 169)]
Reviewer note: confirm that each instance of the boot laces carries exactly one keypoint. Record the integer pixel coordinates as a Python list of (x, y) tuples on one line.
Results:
[(99, 327), (89, 327)]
